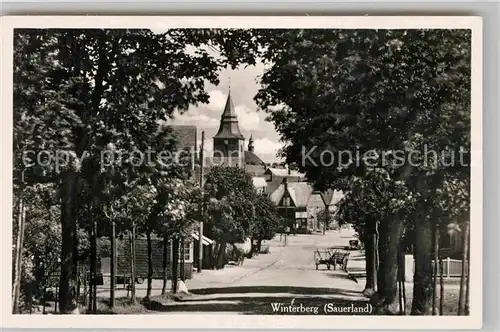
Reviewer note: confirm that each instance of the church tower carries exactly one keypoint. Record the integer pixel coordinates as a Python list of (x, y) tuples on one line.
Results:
[(229, 142), (250, 144)]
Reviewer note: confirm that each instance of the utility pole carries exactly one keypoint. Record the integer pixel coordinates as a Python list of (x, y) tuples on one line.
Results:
[(200, 231)]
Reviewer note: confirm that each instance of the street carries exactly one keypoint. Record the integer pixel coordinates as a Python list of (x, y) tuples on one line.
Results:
[(287, 275)]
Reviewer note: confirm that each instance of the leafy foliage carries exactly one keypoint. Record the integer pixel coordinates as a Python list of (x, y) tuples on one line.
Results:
[(267, 218), (229, 192), (375, 101), (80, 94)]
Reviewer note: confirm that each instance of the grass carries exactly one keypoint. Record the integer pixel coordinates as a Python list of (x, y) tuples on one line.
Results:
[(123, 305), (450, 301)]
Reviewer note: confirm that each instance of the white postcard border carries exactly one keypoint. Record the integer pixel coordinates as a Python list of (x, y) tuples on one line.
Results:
[(205, 321)]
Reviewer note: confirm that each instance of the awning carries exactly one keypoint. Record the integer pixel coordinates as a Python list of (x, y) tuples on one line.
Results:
[(206, 240)]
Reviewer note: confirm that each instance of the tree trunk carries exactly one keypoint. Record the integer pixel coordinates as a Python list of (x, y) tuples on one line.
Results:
[(377, 256), (150, 264), (93, 265), (91, 280), (461, 302), (259, 245), (221, 256), (165, 265), (132, 265), (67, 281), (253, 248), (467, 285), (422, 279), (19, 255), (113, 265), (441, 287), (76, 266), (175, 263), (325, 221), (370, 266), (402, 279), (386, 298), (435, 269), (200, 246), (181, 256)]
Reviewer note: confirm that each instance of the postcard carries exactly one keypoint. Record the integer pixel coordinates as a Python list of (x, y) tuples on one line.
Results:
[(242, 172)]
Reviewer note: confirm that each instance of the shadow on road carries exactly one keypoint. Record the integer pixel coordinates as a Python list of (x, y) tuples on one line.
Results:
[(258, 304), (273, 289), (340, 276)]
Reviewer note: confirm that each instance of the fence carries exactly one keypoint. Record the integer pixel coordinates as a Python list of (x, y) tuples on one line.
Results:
[(451, 267), (50, 295)]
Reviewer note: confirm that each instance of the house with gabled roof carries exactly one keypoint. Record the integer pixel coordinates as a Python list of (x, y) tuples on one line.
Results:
[(301, 204), (275, 176)]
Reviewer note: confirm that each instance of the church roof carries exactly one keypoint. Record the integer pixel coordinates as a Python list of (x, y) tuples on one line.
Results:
[(252, 159), (229, 122), (185, 135)]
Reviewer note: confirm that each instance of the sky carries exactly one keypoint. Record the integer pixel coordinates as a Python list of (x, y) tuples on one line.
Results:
[(244, 86)]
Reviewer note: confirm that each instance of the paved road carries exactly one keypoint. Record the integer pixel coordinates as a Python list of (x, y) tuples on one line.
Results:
[(285, 276)]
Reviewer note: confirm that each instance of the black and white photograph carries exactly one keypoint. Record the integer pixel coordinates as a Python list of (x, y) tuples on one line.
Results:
[(259, 169)]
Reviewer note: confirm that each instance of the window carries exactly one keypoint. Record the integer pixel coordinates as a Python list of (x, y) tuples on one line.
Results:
[(187, 251), (188, 257)]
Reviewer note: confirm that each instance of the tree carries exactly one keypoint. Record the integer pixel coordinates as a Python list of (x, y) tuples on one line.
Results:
[(325, 217), (352, 211), (180, 215), (229, 193), (266, 220), (77, 91), (351, 91), (42, 239)]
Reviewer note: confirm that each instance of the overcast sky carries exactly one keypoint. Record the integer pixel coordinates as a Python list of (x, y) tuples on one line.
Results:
[(244, 86)]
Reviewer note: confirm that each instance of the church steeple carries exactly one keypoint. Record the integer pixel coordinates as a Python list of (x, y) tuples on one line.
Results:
[(250, 143), (229, 142), (229, 127)]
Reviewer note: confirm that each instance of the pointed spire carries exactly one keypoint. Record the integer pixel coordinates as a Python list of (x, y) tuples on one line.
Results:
[(229, 121), (229, 111), (250, 143)]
